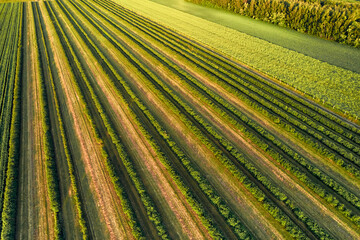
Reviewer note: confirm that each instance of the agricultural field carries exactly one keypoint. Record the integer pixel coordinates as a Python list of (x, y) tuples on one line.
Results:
[(114, 125)]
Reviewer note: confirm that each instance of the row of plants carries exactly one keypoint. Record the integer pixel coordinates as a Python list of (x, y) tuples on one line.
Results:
[(8, 214), (71, 168), (6, 15), (7, 85), (187, 166), (148, 76), (308, 108), (260, 101), (52, 179), (151, 211), (328, 181), (73, 177)]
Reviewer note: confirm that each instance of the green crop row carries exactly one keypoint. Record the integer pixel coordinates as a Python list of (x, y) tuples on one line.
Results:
[(6, 25), (7, 86), (327, 180), (7, 64), (8, 215), (158, 92)]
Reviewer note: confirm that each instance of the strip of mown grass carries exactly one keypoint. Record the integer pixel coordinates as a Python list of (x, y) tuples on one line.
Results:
[(326, 188), (9, 207)]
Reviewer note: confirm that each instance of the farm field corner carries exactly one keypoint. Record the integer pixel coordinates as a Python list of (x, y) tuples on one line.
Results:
[(113, 125)]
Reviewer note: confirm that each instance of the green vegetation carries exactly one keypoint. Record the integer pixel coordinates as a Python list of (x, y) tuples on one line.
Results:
[(230, 152), (9, 196), (332, 20)]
